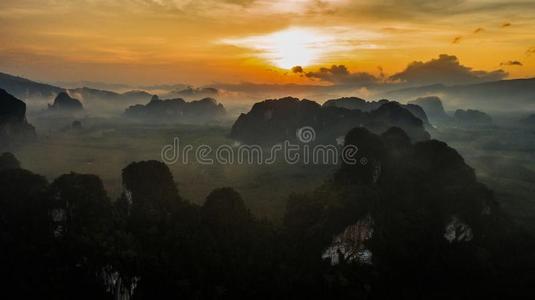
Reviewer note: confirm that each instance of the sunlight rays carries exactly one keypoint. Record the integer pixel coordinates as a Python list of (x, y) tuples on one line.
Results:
[(301, 46)]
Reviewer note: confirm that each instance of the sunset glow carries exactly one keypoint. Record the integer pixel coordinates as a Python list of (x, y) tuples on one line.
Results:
[(200, 42), (287, 48)]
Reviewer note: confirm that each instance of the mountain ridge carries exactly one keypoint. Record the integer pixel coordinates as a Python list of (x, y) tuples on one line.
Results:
[(491, 95)]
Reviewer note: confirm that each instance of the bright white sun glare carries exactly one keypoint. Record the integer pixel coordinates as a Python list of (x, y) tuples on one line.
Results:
[(287, 48)]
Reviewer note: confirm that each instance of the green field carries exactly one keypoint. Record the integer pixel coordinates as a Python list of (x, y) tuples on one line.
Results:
[(105, 147), (503, 158)]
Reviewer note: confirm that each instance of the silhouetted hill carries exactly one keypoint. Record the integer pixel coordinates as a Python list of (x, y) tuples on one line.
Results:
[(515, 94), (433, 108), (191, 93), (136, 95), (14, 128), (40, 94), (411, 210), (361, 104), (24, 89), (106, 101), (66, 105), (273, 121), (471, 117), (177, 110), (354, 103), (94, 95), (412, 221)]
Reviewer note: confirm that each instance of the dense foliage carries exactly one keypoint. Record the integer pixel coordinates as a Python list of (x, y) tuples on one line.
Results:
[(411, 222)]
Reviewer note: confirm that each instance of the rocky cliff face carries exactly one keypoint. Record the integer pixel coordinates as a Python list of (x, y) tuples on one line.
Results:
[(273, 121), (14, 129), (407, 205), (433, 108)]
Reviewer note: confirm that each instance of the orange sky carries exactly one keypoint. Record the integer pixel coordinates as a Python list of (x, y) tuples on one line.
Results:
[(207, 41)]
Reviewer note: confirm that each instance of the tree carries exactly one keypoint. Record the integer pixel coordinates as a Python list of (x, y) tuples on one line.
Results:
[(25, 235), (82, 214)]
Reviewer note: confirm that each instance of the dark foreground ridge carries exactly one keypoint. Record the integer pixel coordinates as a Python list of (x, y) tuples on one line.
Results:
[(412, 222)]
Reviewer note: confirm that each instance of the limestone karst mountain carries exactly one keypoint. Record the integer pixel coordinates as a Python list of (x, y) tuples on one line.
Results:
[(14, 128), (502, 95), (273, 121), (177, 110), (25, 89), (471, 117), (409, 204), (433, 108), (66, 105), (191, 93), (361, 104)]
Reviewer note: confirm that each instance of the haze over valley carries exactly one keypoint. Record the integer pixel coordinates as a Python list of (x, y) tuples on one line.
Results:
[(267, 149)]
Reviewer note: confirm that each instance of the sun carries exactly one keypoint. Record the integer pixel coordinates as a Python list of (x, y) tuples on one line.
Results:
[(287, 48), (293, 47)]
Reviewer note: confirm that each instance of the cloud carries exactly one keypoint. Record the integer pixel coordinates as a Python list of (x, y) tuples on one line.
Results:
[(303, 46), (447, 70), (457, 40), (511, 63), (340, 75), (530, 51), (507, 24), (478, 30), (297, 69)]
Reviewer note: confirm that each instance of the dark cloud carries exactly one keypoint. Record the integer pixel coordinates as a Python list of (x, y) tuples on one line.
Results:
[(478, 30), (422, 6), (431, 10), (240, 2), (446, 69), (381, 72), (457, 40), (297, 69), (507, 24), (530, 51), (511, 63), (340, 75)]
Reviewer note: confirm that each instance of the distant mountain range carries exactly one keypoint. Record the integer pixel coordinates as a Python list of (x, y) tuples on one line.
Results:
[(503, 95), (40, 94), (23, 88)]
